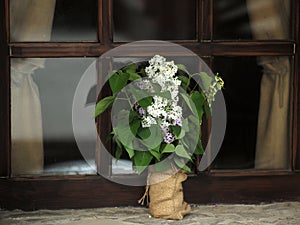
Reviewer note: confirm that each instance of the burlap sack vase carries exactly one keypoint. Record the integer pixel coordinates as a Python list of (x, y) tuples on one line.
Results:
[(166, 195)]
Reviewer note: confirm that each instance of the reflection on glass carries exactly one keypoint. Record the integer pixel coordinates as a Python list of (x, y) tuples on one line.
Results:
[(257, 95), (42, 94), (252, 19), (53, 20), (75, 20), (31, 20), (155, 19)]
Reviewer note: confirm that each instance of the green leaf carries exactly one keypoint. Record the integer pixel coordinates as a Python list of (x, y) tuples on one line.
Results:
[(110, 136), (134, 126), (176, 130), (157, 148), (118, 81), (118, 153), (165, 94), (198, 99), (189, 102), (191, 137), (118, 142), (199, 148), (193, 119), (185, 82), (184, 129), (142, 160), (130, 152), (102, 105), (130, 68), (185, 125), (180, 151), (156, 88), (138, 93), (156, 154), (207, 110), (206, 80), (123, 130), (133, 115), (145, 102), (142, 72), (133, 76), (181, 165), (169, 148), (153, 140), (182, 67), (144, 133), (182, 134)]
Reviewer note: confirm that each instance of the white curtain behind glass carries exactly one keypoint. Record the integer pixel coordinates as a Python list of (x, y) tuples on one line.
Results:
[(270, 19), (30, 20)]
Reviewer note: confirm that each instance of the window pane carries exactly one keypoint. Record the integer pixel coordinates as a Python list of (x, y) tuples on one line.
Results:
[(42, 93), (252, 19), (257, 96), (75, 20), (155, 19), (50, 20)]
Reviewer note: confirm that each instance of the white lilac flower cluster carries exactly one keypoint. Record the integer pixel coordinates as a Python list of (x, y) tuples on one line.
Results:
[(216, 85), (163, 111)]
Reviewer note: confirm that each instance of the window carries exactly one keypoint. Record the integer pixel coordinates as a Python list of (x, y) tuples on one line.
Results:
[(46, 46)]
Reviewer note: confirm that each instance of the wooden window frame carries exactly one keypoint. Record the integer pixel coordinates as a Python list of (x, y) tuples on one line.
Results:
[(236, 186)]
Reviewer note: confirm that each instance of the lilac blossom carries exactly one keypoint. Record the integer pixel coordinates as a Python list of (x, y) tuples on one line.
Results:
[(139, 109), (168, 138), (177, 122), (142, 111)]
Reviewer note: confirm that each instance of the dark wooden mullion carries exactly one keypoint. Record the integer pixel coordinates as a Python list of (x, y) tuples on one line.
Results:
[(253, 48), (4, 96), (206, 22), (224, 48), (100, 21), (110, 17), (104, 147), (107, 22), (57, 49), (198, 20), (296, 121)]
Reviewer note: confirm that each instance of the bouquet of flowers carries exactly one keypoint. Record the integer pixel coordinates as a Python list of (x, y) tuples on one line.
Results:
[(158, 112)]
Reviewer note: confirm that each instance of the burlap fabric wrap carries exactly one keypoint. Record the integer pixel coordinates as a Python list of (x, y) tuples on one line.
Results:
[(166, 195)]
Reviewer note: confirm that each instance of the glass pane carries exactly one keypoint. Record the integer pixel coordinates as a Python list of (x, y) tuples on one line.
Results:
[(75, 20), (155, 19), (42, 93), (257, 95), (252, 19), (50, 20)]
